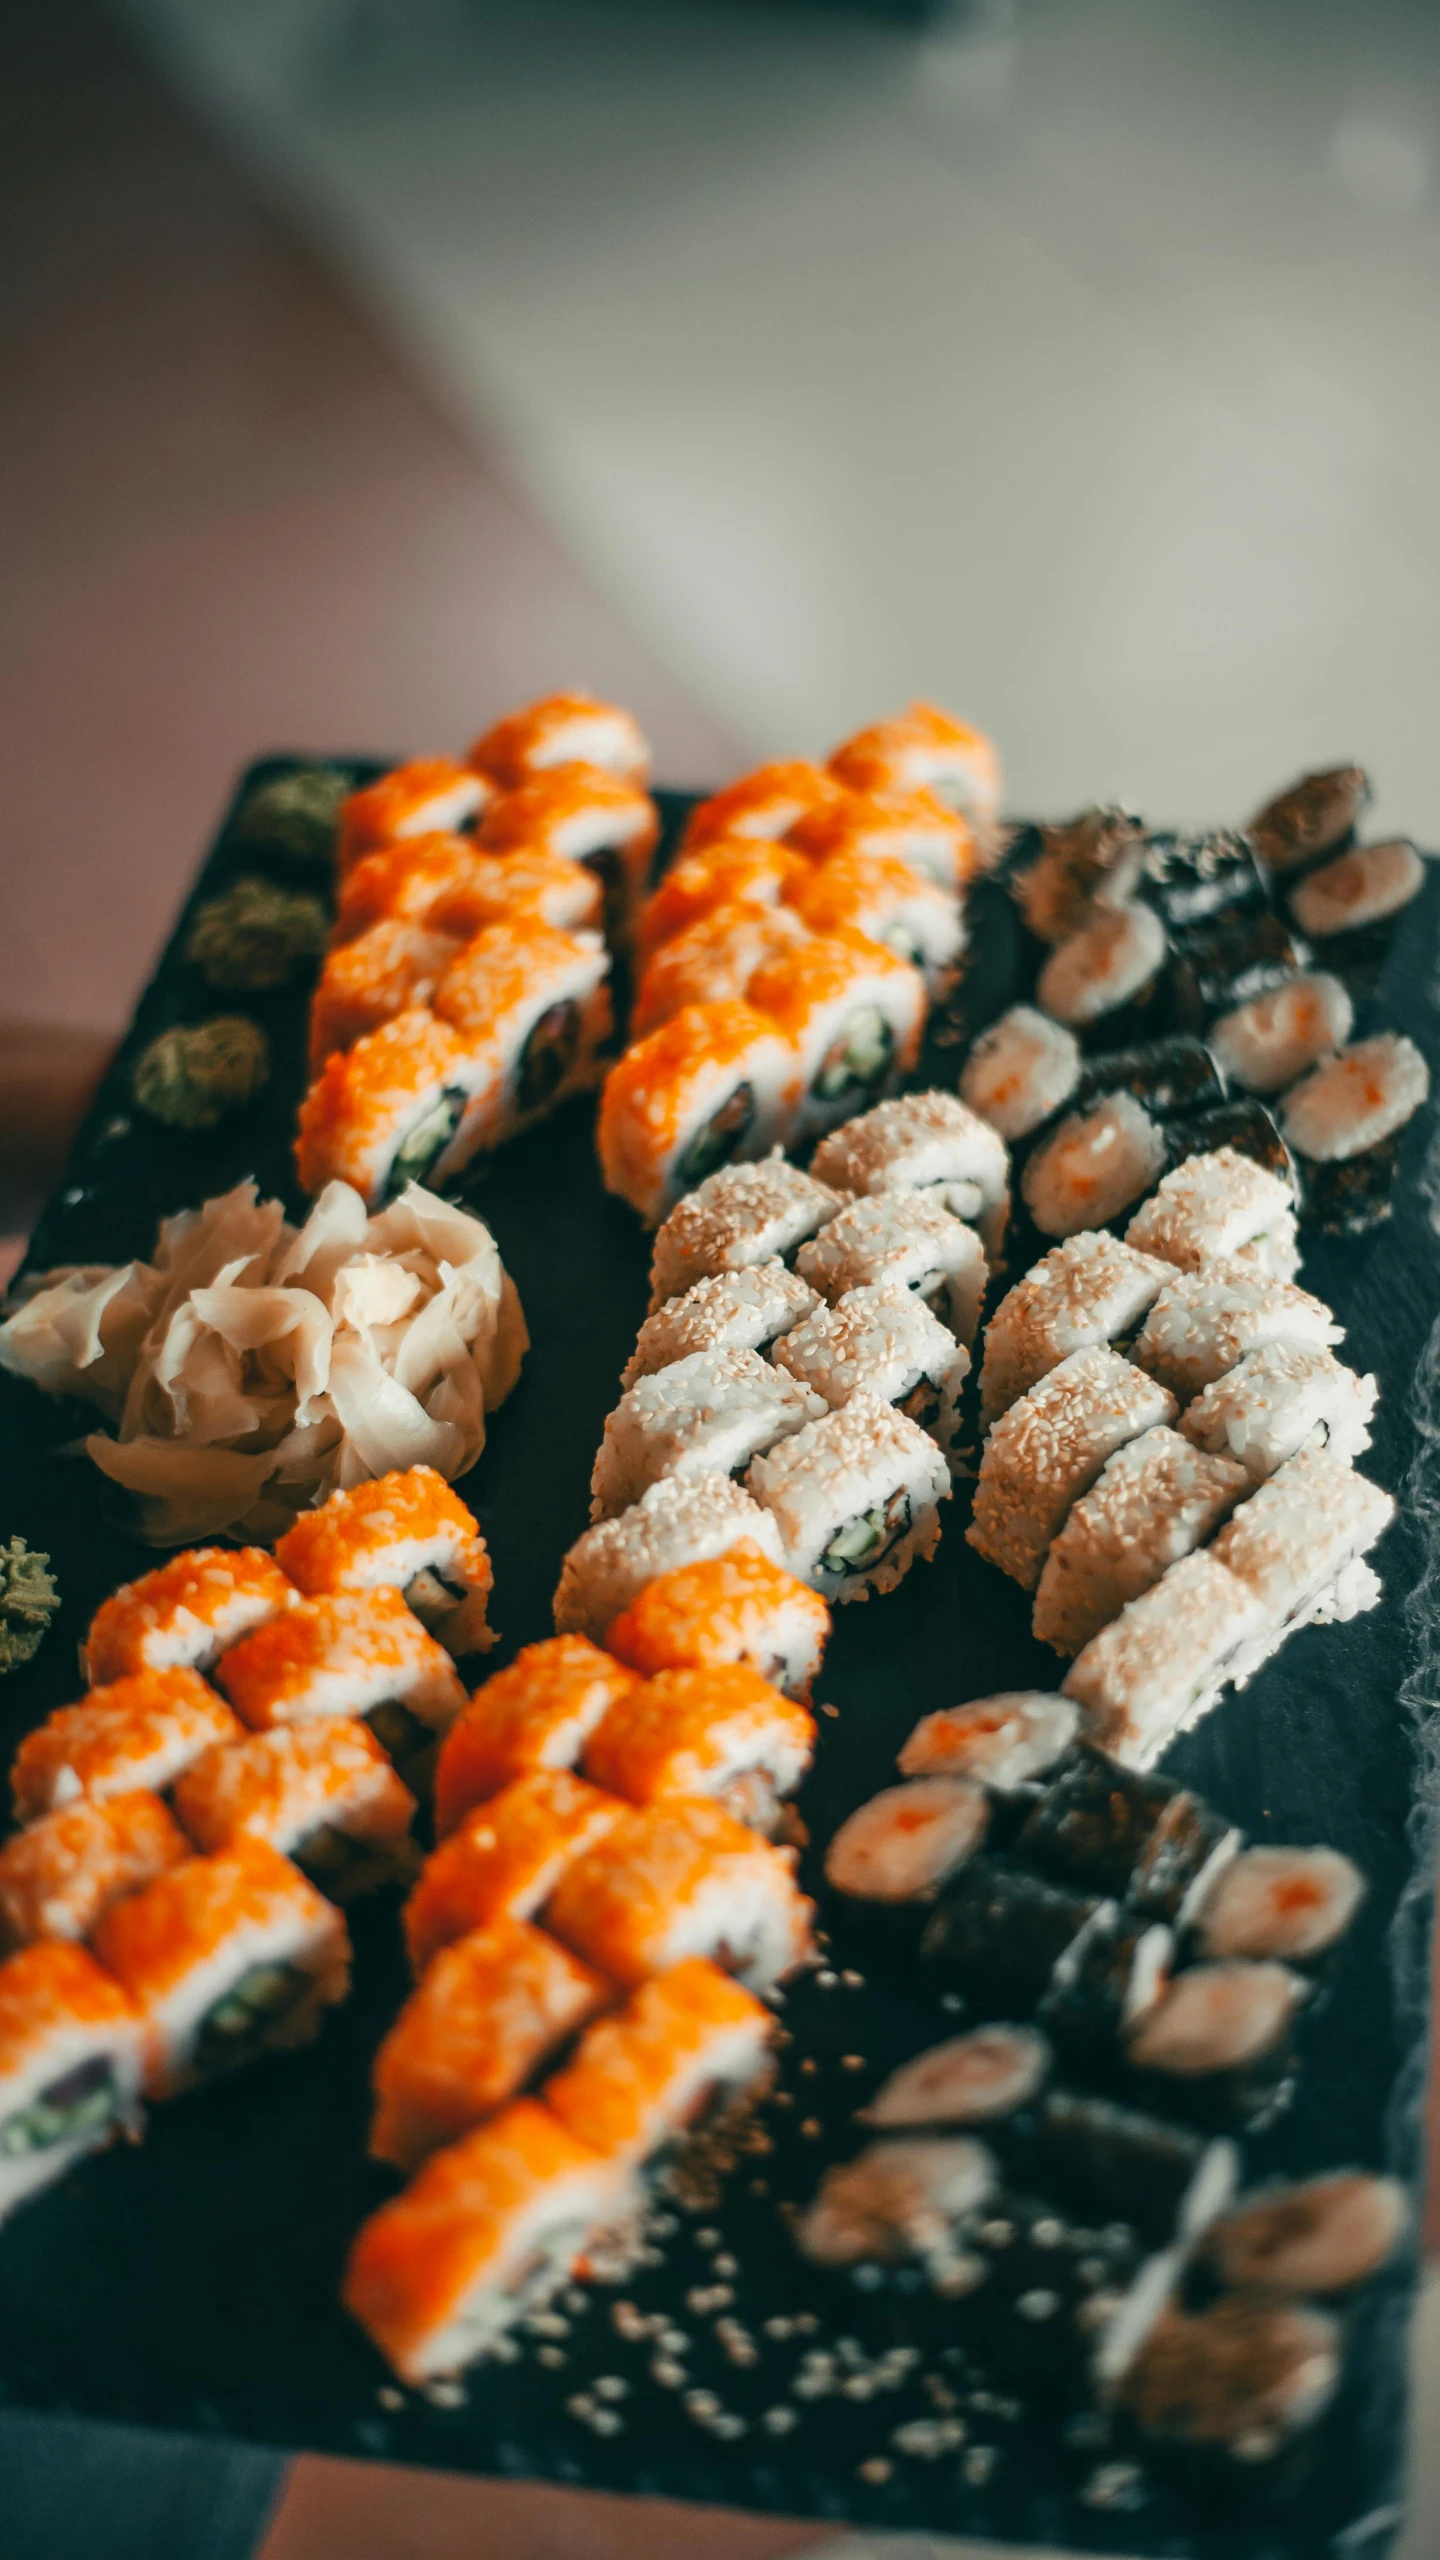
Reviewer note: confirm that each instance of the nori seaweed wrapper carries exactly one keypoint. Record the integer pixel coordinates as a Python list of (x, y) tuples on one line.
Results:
[(1347, 1195), (1093, 1823), (997, 1935), (1187, 1836), (1190, 878), (1095, 1984), (1171, 1075), (1246, 1126), (1101, 2159), (1222, 965)]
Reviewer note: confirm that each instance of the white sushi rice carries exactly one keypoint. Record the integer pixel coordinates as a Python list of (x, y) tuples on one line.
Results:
[(1093, 1166), (1279, 1399), (745, 1213), (1112, 958), (929, 1142), (1204, 1322), (1288, 1903), (1049, 1448), (1357, 1099), (1365, 886), (1002, 1741), (734, 1311), (902, 1236), (1211, 1206), (1265, 1044), (1021, 1070), (1155, 1669), (535, 2249), (1299, 1544), (310, 1936), (884, 1339), (1090, 1289), (901, 2199), (967, 2080), (65, 2047), (681, 1520), (855, 1498), (1153, 1502), (709, 1414)]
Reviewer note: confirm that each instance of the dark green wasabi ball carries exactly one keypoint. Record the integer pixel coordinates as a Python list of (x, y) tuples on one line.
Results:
[(252, 935), (191, 1076), (28, 1602), (296, 812)]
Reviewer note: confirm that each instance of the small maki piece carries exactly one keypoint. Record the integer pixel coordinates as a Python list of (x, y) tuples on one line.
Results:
[(533, 1009), (925, 749), (734, 1608), (346, 1653), (225, 1957), (855, 1497), (681, 1520), (406, 1531), (1321, 2236), (1171, 1077), (714, 1084), (687, 2051), (1104, 978), (1096, 1824), (1155, 1669), (1153, 1501), (1103, 2159), (712, 961), (71, 2058), (1300, 1543), (913, 827), (600, 821), (732, 1311), (395, 1108), (851, 1013), (505, 1858), (909, 2198), (1049, 1448), (907, 1842), (740, 1216), (927, 1142), (1289, 1903), (1217, 967), (1345, 1123), (1267, 1042), (137, 1732), (560, 729), (57, 1876), (186, 1613), (394, 967), (1003, 1742), (191, 1076), (1089, 1291), (709, 1414), (322, 1793), (1107, 1981), (997, 1935), (537, 1714), (724, 1733), (1094, 1165), (29, 1599), (1349, 908), (1203, 1322), (980, 2078), (681, 1879), (883, 896), (1094, 859), (886, 1340), (1189, 878), (739, 871), (1228, 2022), (765, 803), (491, 2227), (1241, 2379), (1313, 816), (905, 1238), (254, 933), (1219, 1201), (1020, 1071), (1278, 1400), (296, 813), (491, 2010), (431, 795)]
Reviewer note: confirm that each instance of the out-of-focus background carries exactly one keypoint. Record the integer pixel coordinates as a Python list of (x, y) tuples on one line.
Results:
[(369, 365)]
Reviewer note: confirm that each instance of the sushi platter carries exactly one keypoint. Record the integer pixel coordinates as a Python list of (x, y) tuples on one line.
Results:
[(743, 2347)]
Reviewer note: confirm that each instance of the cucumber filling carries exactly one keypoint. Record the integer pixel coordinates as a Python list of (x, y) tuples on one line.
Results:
[(859, 1059), (83, 2102), (421, 1148), (715, 1143), (243, 2016), (549, 1054), (862, 1542)]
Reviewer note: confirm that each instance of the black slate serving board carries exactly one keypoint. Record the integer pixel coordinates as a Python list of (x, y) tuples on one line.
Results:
[(192, 2282)]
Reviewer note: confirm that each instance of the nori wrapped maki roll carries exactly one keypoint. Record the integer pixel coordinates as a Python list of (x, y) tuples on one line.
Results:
[(1189, 879), (1107, 1981), (998, 1934), (1218, 966), (1169, 1076), (1315, 816), (1218, 2047), (1094, 1822), (1190, 1846), (1346, 1122), (1101, 2159), (1246, 1127), (1350, 908)]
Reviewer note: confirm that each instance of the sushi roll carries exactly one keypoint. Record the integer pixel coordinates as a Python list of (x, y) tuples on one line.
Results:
[(679, 1879), (1266, 1043), (1242, 1127), (1152, 1502), (1214, 1204), (923, 749), (883, 1339), (908, 1841), (490, 2012), (1204, 1322), (737, 1217), (1155, 1669), (737, 1608), (721, 1732), (560, 729), (1218, 2044), (1315, 816), (406, 1531), (904, 1239), (137, 1732), (1003, 1742), (900, 2199), (1083, 1294), (184, 1613), (1085, 1172), (432, 795), (912, 827), (1292, 1904), (347, 1653), (1299, 1544), (1241, 2379), (685, 2053), (852, 1014), (715, 1083), (393, 968), (395, 1108), (1106, 2160), (1170, 1077), (709, 1414), (526, 882), (927, 1142), (421, 882), (71, 2059), (533, 1009), (1098, 1825), (1188, 879), (322, 1793), (504, 1858), (537, 1714), (681, 1520), (766, 803), (1105, 976), (997, 1935), (1048, 1449), (1348, 909), (1281, 1398), (855, 1497), (713, 961), (1217, 967), (596, 820), (1020, 1071), (1321, 2236), (883, 897), (225, 1957), (1097, 859), (59, 1875), (488, 2231), (1345, 1122), (976, 2079), (733, 1311), (744, 871), (1107, 1981)]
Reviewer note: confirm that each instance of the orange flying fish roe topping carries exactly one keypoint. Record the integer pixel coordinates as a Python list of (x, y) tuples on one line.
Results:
[(713, 961), (751, 871), (672, 1734), (47, 1988), (186, 1611), (721, 1610), (350, 1105), (393, 968), (137, 1732), (873, 821), (420, 798), (57, 1877), (540, 812), (766, 802), (527, 882), (918, 744), (153, 1939), (273, 1674), (505, 1858), (818, 972), (614, 1905), (536, 1714), (504, 967), (333, 1549), (862, 890), (629, 2067), (281, 1785), (405, 881), (649, 1095), (563, 728)]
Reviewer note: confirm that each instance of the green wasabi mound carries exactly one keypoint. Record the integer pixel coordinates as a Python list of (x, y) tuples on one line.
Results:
[(253, 934), (296, 813), (28, 1602), (190, 1077)]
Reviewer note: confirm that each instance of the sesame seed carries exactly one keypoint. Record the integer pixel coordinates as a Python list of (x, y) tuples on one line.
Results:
[(389, 2397), (780, 2420), (877, 2470), (551, 2356), (610, 2386), (852, 1980)]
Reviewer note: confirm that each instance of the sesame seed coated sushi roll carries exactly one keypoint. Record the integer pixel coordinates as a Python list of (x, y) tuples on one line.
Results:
[(1321, 2236), (881, 896), (735, 872), (905, 1843), (1152, 1502), (742, 1215), (429, 796), (1049, 1448), (1349, 908), (930, 1142), (1204, 1322), (713, 961), (1213, 1205), (852, 1014), (1020, 1071), (885, 1340), (1093, 1165), (504, 1858), (1153, 1670), (532, 1008), (1345, 1123), (1292, 1904), (1300, 1541), (589, 817), (684, 2050), (536, 1714), (1058, 874), (71, 2057), (560, 729), (184, 1613), (1266, 1043), (393, 1109), (57, 1877), (767, 802), (1313, 816), (406, 1531), (322, 1793), (1244, 1127), (913, 827), (491, 2010), (681, 1520), (1219, 966), (1087, 1292), (678, 1879), (1278, 1400), (225, 1957), (1105, 973), (721, 1732), (998, 1934), (733, 1311), (737, 1608), (1241, 2378), (137, 1732), (897, 2200), (855, 1497), (971, 2079), (715, 1083), (1002, 1742), (924, 749), (906, 1238), (394, 967), (416, 882), (489, 2229), (709, 1414), (347, 1653)]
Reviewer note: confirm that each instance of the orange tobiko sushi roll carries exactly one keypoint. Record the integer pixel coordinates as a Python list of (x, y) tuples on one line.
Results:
[(536, 1714), (716, 1083), (682, 1878), (71, 2062), (185, 1612), (347, 1653), (432, 795), (394, 1109), (588, 817), (879, 895), (323, 1793), (407, 1531), (853, 1015), (392, 968), (561, 729), (733, 1608), (58, 1876), (417, 882), (767, 802), (743, 871), (505, 1857), (528, 882), (686, 2046), (713, 961), (532, 1009), (721, 1732), (905, 826), (137, 1732), (923, 749)]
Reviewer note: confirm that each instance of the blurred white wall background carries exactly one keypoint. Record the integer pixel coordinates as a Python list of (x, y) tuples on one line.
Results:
[(1076, 362)]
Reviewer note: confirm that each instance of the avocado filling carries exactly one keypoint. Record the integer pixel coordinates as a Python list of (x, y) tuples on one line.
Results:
[(716, 1143), (423, 1145), (83, 2102), (243, 2016), (861, 1542), (860, 1059), (548, 1055)]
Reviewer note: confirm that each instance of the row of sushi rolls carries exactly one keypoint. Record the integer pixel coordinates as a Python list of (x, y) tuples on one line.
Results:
[(1061, 1278)]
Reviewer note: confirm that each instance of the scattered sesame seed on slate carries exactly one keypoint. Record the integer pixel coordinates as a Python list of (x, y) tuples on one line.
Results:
[(979, 2462), (725, 2265), (611, 2386), (1113, 2484), (780, 2420), (552, 2357), (389, 2397), (852, 1980), (812, 2128), (877, 2470), (445, 2395)]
